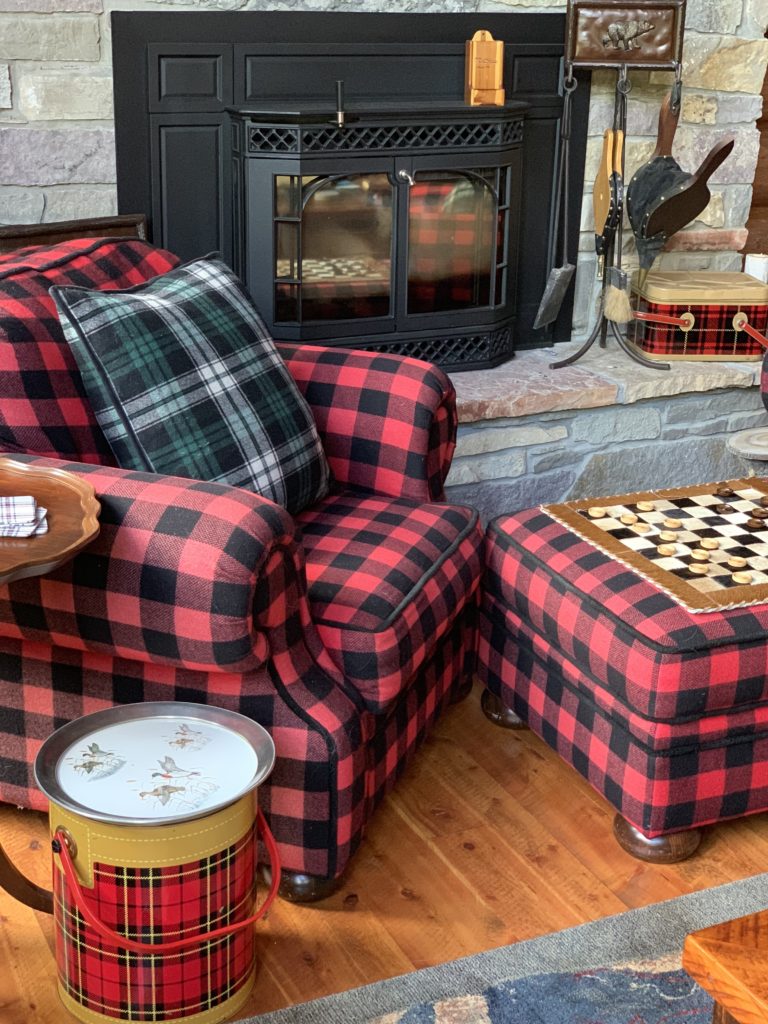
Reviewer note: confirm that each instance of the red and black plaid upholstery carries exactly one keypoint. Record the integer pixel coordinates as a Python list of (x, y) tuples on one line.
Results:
[(387, 423), (199, 592), (663, 711), (44, 408), (387, 581), (713, 333)]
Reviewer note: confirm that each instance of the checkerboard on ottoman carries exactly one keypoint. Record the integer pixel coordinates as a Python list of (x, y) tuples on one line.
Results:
[(663, 708)]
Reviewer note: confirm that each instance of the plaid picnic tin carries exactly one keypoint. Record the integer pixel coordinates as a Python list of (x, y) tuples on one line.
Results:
[(713, 299), (153, 817)]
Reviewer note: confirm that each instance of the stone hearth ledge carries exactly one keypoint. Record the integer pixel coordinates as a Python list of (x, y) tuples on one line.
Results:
[(526, 385)]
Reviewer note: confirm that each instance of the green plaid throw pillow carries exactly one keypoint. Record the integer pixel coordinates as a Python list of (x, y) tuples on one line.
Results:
[(184, 379)]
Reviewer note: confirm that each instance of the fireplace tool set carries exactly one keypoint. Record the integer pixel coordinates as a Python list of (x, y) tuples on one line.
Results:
[(661, 197)]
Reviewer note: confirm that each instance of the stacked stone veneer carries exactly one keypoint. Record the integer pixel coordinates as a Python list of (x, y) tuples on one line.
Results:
[(602, 426), (57, 141)]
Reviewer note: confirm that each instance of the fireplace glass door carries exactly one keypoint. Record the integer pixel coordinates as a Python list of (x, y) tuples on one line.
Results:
[(335, 244), (389, 232), (333, 235), (456, 229)]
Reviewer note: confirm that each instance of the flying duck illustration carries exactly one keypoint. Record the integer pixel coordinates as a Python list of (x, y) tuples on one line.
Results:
[(170, 770), (163, 793)]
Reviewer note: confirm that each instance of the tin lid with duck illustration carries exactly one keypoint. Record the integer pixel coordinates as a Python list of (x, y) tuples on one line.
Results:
[(703, 288), (154, 763)]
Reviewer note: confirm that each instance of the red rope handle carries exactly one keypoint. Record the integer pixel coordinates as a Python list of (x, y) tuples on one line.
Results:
[(116, 939), (744, 325)]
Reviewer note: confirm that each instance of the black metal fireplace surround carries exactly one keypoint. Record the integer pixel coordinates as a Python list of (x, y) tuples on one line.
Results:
[(413, 224)]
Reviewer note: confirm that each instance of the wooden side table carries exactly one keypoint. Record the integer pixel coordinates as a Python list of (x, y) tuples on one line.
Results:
[(730, 961), (72, 518), (72, 523)]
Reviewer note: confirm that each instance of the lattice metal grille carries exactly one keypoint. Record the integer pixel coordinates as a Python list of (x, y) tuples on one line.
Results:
[(270, 139), (394, 137), (511, 132), (455, 352)]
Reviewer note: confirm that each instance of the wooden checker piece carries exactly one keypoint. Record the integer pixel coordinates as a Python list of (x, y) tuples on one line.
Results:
[(706, 546)]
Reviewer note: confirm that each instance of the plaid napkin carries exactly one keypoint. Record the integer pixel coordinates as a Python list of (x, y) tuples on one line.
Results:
[(21, 516)]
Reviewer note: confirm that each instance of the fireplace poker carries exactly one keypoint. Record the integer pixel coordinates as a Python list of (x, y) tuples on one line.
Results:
[(339, 103)]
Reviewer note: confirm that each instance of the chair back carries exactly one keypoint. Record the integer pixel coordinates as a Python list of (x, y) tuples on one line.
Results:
[(43, 406)]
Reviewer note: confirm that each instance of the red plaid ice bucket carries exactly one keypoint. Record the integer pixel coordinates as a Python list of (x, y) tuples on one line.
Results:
[(155, 835)]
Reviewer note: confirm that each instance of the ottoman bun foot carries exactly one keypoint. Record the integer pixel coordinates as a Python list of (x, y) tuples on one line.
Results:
[(497, 713), (661, 850)]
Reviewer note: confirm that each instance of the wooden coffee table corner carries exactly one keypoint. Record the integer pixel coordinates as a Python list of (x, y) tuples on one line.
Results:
[(730, 962)]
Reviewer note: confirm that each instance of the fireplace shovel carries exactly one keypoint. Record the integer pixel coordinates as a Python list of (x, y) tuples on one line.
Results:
[(559, 277)]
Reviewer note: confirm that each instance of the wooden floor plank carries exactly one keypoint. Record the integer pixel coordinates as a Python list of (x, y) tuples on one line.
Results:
[(487, 839)]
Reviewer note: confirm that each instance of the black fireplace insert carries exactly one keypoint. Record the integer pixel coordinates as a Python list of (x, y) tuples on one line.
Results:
[(419, 225), (393, 230)]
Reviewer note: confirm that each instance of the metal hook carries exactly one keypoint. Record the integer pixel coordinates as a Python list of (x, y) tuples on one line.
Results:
[(569, 81), (677, 88)]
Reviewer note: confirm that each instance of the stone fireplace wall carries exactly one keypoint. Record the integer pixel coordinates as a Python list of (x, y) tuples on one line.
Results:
[(57, 142)]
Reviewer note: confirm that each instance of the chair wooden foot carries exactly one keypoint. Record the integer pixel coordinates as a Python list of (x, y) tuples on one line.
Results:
[(502, 716), (463, 691), (661, 850), (297, 887)]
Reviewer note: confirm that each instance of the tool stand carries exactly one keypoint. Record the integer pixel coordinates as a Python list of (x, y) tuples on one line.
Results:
[(611, 258)]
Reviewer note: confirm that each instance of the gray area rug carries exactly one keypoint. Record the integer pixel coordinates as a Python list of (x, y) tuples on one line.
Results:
[(521, 984)]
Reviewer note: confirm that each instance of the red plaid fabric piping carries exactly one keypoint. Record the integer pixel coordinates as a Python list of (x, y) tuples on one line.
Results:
[(713, 333), (154, 905)]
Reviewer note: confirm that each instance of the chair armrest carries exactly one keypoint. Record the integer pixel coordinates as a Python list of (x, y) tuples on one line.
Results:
[(182, 572), (387, 422)]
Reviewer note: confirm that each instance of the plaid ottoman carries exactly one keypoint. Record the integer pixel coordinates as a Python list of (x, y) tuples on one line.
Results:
[(663, 711)]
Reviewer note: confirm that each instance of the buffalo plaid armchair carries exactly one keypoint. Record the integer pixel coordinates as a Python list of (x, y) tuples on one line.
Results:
[(345, 631)]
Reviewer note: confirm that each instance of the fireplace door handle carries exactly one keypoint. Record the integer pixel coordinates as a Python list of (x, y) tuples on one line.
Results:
[(403, 175)]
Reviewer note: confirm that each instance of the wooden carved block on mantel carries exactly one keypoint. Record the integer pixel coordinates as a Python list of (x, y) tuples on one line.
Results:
[(484, 69)]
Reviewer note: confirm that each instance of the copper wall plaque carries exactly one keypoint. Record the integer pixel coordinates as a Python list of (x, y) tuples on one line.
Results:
[(615, 33)]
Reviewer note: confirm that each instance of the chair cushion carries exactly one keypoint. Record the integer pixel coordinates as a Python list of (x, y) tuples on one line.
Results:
[(633, 643), (184, 380), (43, 407), (387, 578)]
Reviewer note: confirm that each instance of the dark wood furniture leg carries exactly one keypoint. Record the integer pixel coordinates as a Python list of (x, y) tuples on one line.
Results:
[(660, 850), (497, 713), (297, 887)]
